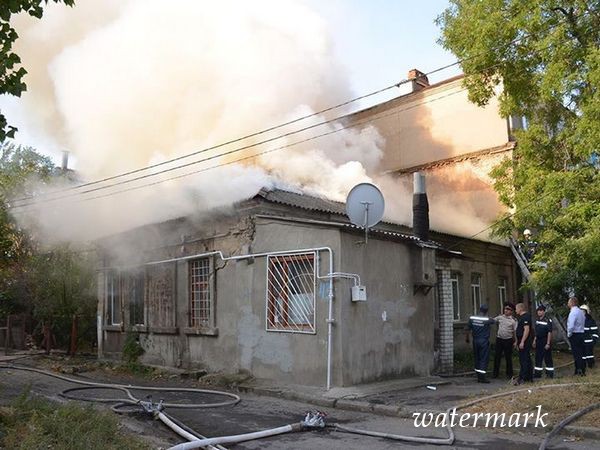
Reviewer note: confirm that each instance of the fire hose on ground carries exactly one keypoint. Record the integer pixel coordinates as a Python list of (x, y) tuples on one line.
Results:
[(148, 406), (311, 421)]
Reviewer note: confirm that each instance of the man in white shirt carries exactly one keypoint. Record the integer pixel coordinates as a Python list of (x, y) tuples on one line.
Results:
[(575, 330)]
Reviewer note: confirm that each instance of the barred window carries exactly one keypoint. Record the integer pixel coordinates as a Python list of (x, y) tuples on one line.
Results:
[(160, 295), (201, 308), (291, 293)]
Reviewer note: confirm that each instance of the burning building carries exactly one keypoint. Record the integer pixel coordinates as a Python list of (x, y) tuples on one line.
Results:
[(268, 289)]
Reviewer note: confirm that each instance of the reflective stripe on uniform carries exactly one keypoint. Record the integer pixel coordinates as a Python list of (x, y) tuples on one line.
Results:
[(479, 318), (595, 335), (541, 323), (593, 328), (586, 328), (538, 368), (480, 371), (587, 341), (550, 368)]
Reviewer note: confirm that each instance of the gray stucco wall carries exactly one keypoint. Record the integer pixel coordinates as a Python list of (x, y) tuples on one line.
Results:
[(390, 334), (239, 340), (299, 358)]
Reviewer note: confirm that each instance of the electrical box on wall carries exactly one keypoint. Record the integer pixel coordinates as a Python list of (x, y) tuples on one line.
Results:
[(359, 293)]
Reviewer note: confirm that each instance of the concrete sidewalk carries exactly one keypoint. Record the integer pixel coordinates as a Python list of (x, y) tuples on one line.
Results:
[(352, 398)]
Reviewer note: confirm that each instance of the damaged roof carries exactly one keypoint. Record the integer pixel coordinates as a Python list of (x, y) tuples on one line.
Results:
[(324, 205), (303, 201)]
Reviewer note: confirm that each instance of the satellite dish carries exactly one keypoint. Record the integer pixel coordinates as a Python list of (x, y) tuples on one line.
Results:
[(365, 206)]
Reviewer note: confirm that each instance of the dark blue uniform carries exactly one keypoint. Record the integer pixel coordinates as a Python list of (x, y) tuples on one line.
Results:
[(526, 372), (543, 327), (590, 337), (480, 328)]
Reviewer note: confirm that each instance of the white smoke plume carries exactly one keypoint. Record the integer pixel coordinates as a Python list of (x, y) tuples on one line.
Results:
[(124, 84)]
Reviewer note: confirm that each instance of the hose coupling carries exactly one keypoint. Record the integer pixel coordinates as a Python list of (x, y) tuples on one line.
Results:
[(314, 419)]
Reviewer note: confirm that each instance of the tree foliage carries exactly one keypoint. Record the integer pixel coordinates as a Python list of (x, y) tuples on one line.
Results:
[(18, 165), (51, 284), (543, 56), (11, 71)]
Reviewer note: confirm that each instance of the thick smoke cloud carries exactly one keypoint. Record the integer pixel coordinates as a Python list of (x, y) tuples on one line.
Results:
[(124, 84)]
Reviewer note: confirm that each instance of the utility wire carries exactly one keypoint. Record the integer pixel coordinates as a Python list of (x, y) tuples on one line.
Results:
[(266, 130), (340, 118), (248, 136), (246, 158)]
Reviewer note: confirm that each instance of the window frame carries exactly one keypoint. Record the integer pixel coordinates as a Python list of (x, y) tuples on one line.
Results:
[(112, 279), (160, 289), (476, 292), (455, 280), (137, 298), (502, 290), (271, 323), (210, 289)]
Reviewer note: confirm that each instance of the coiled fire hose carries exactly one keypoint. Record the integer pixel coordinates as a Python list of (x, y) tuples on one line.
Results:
[(148, 406)]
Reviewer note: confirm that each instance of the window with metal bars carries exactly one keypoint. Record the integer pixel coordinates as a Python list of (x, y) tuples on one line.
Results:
[(201, 307), (291, 290)]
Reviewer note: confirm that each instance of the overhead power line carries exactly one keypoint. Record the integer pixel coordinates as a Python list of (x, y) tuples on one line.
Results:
[(246, 158), (39, 198), (248, 136)]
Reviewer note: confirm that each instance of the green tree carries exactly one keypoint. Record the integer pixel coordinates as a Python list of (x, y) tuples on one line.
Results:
[(11, 71), (544, 58), (51, 284), (61, 284), (18, 166)]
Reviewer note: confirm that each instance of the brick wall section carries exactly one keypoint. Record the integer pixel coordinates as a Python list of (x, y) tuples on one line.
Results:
[(446, 319)]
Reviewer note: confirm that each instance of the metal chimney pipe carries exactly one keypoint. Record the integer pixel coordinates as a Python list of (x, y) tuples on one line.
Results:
[(420, 207), (65, 160)]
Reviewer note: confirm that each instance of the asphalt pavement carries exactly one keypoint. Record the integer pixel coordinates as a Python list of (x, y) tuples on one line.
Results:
[(257, 412)]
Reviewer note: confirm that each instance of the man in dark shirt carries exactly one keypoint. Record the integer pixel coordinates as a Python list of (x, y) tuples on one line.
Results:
[(542, 342), (590, 337), (480, 329), (524, 338)]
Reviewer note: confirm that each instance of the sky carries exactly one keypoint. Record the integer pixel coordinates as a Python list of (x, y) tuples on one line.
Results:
[(376, 43), (380, 40)]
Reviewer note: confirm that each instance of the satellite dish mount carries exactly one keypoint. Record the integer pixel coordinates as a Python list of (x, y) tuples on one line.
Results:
[(365, 206)]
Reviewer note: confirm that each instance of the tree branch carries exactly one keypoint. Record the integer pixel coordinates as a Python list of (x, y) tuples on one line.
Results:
[(570, 16)]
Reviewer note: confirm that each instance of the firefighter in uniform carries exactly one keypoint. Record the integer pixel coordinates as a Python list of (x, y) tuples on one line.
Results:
[(480, 329), (590, 337), (542, 342), (524, 339)]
